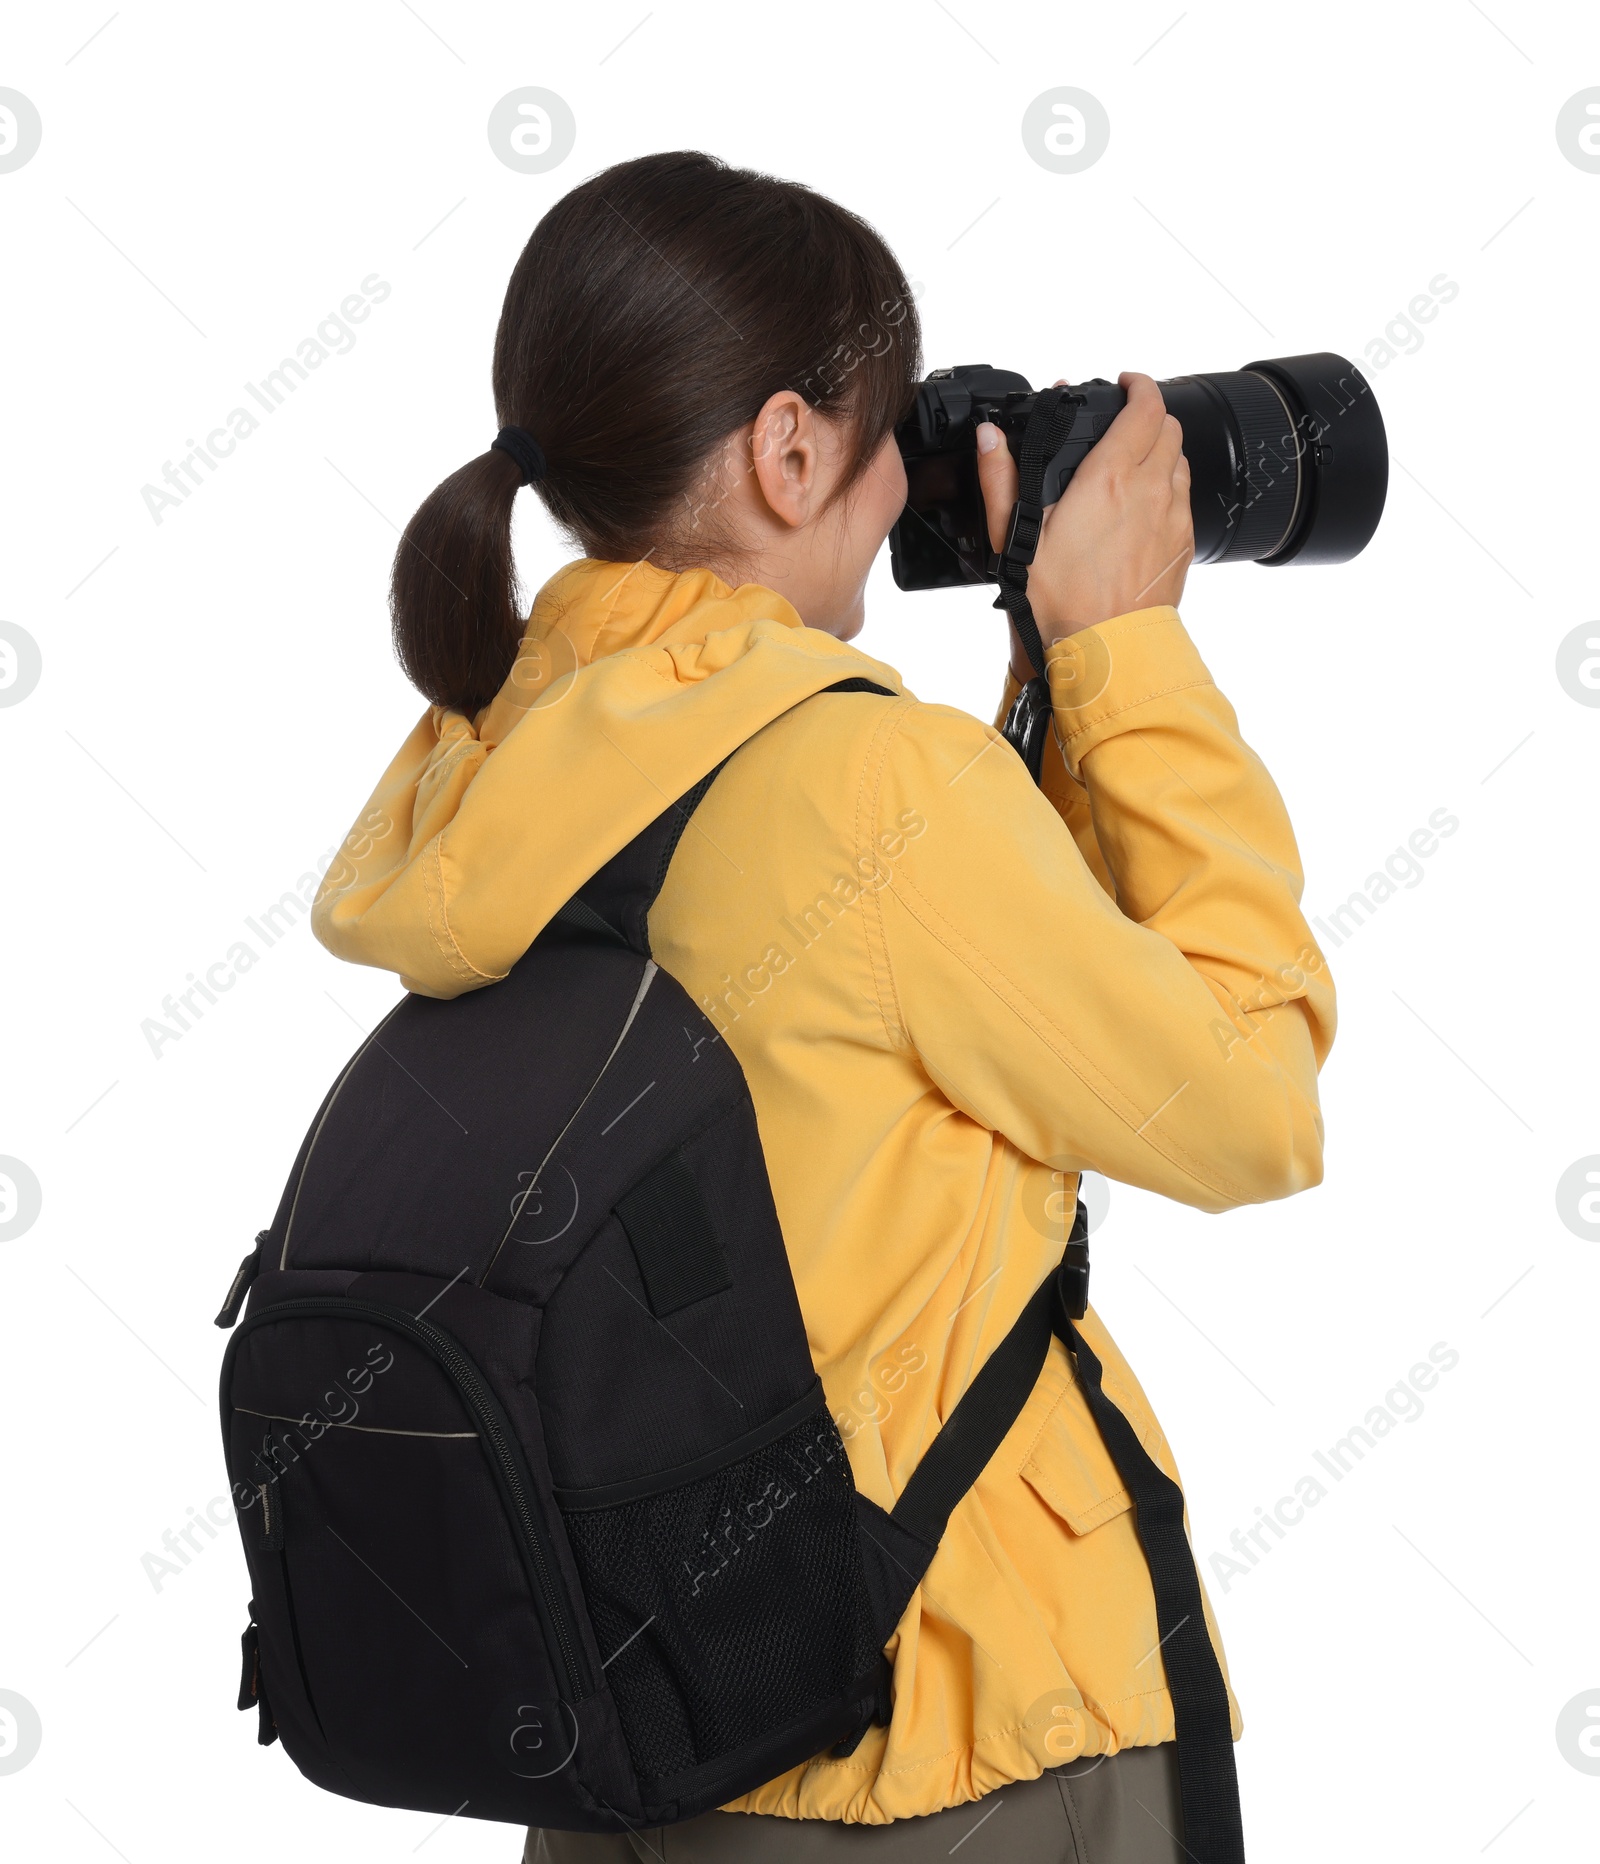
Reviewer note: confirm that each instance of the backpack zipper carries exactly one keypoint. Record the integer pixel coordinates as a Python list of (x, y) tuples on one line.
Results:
[(495, 1433)]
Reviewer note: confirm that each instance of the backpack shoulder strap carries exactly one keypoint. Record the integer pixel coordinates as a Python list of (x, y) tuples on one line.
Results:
[(615, 903), (993, 1402), (907, 1537)]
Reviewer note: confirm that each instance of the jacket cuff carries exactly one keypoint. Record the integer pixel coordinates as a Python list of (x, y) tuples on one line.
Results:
[(1100, 673)]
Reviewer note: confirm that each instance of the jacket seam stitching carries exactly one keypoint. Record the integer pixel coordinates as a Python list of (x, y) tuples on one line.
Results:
[(1128, 705), (451, 950), (886, 733)]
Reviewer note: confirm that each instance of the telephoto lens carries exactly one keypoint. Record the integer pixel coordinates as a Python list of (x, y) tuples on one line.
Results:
[(1288, 463)]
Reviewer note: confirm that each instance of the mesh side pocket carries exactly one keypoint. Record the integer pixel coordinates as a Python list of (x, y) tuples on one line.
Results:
[(731, 1607)]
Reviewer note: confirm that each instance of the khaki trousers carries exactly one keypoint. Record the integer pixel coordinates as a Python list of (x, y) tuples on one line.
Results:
[(1124, 1810)]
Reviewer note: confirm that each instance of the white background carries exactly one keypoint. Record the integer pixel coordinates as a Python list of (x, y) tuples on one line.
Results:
[(218, 696)]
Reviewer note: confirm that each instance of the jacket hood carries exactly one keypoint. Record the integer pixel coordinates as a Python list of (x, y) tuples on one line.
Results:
[(631, 683)]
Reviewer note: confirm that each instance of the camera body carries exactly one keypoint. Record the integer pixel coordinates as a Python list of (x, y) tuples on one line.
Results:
[(1288, 463)]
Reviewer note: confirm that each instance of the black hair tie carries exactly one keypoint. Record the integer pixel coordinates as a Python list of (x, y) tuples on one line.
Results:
[(524, 449)]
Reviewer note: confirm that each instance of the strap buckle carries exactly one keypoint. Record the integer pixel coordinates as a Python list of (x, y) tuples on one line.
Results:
[(872, 1710), (1072, 1280), (1022, 534)]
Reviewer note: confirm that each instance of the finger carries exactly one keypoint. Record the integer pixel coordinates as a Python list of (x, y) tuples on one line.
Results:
[(1136, 429), (1153, 407), (997, 479), (1168, 448), (1183, 507)]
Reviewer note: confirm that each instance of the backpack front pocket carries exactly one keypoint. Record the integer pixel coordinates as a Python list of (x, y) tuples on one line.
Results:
[(418, 1643)]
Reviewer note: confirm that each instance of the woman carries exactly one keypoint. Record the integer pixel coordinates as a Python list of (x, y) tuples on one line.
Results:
[(949, 990)]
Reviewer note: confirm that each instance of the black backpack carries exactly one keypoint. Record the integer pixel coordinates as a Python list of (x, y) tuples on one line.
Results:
[(546, 1516)]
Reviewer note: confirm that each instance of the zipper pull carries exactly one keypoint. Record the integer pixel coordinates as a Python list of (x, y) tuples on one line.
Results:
[(240, 1286), (251, 1693), (269, 1496)]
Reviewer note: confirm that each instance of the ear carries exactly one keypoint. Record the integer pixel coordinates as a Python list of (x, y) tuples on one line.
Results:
[(784, 457)]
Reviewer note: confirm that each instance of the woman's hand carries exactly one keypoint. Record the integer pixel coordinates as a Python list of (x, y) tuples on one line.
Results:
[(1122, 535)]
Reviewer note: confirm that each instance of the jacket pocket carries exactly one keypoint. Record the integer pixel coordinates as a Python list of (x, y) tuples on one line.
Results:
[(1067, 1463)]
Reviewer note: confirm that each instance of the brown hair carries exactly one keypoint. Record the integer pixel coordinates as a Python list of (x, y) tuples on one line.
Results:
[(653, 312)]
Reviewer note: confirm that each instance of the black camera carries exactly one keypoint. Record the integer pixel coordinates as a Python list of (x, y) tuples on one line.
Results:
[(1288, 463)]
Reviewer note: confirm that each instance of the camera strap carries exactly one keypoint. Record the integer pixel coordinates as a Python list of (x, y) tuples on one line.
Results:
[(1049, 424)]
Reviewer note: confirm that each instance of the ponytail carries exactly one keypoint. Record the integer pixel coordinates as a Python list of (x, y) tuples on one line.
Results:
[(453, 594), (653, 312)]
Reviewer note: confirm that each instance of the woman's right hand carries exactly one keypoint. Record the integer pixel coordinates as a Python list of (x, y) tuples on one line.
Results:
[(1122, 535)]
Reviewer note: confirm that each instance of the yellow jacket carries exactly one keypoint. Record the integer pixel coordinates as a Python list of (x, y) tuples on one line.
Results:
[(949, 992)]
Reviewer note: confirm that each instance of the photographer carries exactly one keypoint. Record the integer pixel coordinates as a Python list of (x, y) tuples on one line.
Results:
[(950, 990)]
